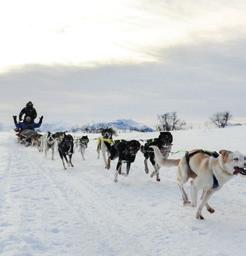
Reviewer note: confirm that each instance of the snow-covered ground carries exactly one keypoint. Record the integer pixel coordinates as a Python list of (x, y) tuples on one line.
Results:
[(45, 210)]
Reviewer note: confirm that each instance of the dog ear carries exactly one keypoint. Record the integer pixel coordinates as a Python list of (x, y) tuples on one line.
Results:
[(224, 153)]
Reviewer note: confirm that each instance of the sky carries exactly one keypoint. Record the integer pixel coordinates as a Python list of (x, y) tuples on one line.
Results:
[(81, 61)]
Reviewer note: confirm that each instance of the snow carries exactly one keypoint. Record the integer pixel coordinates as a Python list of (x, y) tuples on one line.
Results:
[(46, 210)]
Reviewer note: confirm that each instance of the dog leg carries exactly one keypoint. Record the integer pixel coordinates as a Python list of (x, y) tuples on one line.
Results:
[(104, 149), (203, 193), (156, 172), (64, 164), (70, 161), (45, 151), (153, 174), (62, 158), (116, 176), (184, 195), (108, 164), (65, 157), (128, 166), (83, 153), (146, 165), (98, 149), (207, 195), (53, 152), (209, 208), (118, 171), (194, 192)]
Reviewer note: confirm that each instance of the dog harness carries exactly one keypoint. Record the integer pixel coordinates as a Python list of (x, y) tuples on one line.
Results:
[(209, 153), (110, 141)]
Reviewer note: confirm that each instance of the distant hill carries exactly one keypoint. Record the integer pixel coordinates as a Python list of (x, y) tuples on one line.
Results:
[(121, 125)]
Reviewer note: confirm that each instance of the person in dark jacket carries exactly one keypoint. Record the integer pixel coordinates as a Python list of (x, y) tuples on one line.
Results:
[(28, 124), (28, 110)]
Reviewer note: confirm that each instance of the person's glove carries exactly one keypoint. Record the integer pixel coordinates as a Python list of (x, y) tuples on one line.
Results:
[(41, 118)]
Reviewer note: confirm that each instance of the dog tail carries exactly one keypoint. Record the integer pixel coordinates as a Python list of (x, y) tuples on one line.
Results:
[(164, 162)]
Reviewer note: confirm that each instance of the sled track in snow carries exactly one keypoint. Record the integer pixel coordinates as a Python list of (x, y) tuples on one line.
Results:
[(46, 210)]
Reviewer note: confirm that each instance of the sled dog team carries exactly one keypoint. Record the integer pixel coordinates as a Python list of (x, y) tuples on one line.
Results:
[(207, 171)]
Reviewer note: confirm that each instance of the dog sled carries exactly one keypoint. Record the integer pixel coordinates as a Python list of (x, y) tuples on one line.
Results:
[(25, 130), (26, 136)]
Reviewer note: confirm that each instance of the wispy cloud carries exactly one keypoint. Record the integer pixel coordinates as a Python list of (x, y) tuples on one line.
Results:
[(101, 60), (91, 33)]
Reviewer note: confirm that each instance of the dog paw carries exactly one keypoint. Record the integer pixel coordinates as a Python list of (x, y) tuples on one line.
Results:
[(199, 217), (115, 180), (187, 203), (146, 171), (211, 210), (152, 174)]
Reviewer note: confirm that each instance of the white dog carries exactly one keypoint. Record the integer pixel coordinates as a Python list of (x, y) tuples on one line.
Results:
[(83, 144), (49, 144), (208, 171)]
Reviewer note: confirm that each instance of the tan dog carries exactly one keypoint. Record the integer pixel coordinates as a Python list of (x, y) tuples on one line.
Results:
[(207, 173)]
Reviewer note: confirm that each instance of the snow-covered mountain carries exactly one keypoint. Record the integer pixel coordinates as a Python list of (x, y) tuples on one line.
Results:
[(120, 125)]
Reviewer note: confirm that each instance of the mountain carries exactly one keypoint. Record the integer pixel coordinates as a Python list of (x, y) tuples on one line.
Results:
[(120, 124)]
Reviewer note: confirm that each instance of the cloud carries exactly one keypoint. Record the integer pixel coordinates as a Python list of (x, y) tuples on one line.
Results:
[(92, 33), (130, 59), (195, 80)]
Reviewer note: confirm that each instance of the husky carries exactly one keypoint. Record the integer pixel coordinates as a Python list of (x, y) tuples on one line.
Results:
[(164, 143), (104, 142), (66, 148), (208, 171), (49, 144), (125, 151), (83, 144)]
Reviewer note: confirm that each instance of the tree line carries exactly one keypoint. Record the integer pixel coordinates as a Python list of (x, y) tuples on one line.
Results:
[(170, 121)]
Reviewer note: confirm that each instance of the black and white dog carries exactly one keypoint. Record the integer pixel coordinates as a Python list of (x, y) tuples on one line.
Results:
[(164, 143), (104, 142), (49, 144), (65, 148), (125, 151), (83, 144), (59, 136)]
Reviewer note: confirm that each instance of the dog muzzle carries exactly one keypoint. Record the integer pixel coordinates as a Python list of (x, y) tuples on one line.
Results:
[(239, 170)]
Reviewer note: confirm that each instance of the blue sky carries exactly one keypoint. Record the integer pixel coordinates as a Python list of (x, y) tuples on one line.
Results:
[(105, 60)]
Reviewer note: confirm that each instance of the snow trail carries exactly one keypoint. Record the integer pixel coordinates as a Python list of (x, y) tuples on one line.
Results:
[(48, 211)]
